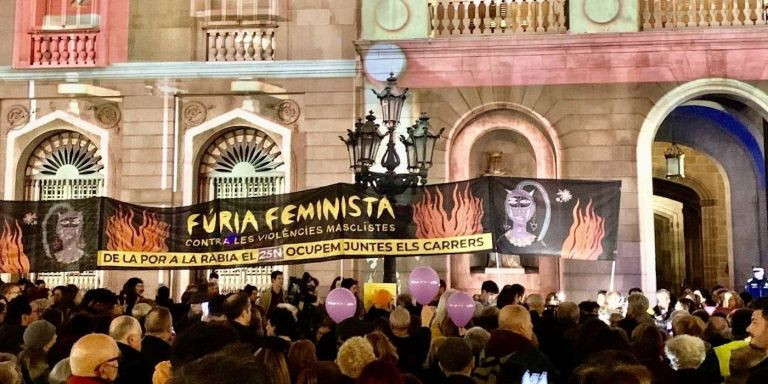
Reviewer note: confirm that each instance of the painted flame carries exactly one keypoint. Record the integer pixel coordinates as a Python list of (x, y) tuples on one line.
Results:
[(432, 221), (150, 236), (585, 238), (12, 256)]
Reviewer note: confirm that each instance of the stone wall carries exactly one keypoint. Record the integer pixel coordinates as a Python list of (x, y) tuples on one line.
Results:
[(7, 17), (705, 176)]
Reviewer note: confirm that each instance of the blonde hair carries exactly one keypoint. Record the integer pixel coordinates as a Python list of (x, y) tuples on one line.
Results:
[(382, 347), (685, 352), (353, 355)]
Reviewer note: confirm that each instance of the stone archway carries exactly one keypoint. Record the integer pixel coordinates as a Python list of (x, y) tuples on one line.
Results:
[(743, 92), (546, 148)]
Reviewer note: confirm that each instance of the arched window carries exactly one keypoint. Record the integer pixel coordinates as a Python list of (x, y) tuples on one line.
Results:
[(241, 162), (65, 165)]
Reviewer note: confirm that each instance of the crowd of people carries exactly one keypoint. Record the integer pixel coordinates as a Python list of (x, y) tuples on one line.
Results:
[(284, 336)]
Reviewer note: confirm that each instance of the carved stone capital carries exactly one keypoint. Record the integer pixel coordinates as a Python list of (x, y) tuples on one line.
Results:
[(194, 113), (17, 116)]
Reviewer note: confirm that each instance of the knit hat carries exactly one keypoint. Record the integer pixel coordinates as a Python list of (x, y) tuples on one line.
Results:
[(39, 334)]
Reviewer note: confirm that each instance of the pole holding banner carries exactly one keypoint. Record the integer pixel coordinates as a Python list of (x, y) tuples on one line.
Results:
[(613, 274)]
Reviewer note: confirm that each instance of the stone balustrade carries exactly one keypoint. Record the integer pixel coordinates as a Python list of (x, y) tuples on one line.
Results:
[(668, 14), (64, 49), (484, 17), (241, 44)]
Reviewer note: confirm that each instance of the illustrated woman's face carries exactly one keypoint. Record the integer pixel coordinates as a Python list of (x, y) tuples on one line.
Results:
[(69, 227), (520, 206)]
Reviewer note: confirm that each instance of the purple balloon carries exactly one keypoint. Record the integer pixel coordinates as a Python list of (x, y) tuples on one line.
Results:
[(340, 304), (461, 308), (423, 284)]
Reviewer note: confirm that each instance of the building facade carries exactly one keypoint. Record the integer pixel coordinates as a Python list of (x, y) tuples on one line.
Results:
[(154, 103)]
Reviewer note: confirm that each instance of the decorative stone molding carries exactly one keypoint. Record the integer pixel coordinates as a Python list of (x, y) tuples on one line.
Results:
[(108, 115), (194, 113), (17, 116), (288, 111)]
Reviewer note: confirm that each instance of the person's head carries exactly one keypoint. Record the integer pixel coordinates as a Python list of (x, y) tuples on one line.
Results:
[(353, 355), (281, 322), (404, 300), (40, 335), (223, 368), (21, 311), (140, 311), (517, 319), (758, 328), (126, 330), (60, 372), (59, 294), (200, 339), (382, 347), (647, 341), (637, 305), (477, 338), (273, 356), (434, 345), (535, 303), (163, 293), (95, 355), (519, 292), (717, 327), (237, 308), (252, 292), (568, 312), (10, 291), (277, 280), (662, 298), (634, 290), (214, 277), (133, 287), (351, 284), (301, 355), (613, 299), (685, 352), (9, 373), (688, 325), (488, 291), (382, 299), (455, 357), (684, 304), (211, 289), (601, 294), (159, 323), (758, 273), (740, 320), (400, 320), (380, 372)]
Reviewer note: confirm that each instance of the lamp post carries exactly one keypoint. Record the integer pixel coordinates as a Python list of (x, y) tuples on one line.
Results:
[(363, 144)]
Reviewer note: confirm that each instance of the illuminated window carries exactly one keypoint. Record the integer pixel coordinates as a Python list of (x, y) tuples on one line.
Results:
[(69, 14), (241, 162), (65, 165)]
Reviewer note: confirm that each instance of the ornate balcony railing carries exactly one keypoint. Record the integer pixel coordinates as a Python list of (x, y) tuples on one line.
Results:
[(484, 17), (669, 14), (64, 49), (241, 44)]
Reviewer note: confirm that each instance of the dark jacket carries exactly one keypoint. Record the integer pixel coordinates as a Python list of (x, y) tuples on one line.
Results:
[(133, 367), (11, 338), (155, 350), (412, 350), (247, 335), (759, 373), (85, 380), (508, 355), (459, 379)]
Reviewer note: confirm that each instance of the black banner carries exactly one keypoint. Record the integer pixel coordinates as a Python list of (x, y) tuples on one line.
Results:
[(567, 218)]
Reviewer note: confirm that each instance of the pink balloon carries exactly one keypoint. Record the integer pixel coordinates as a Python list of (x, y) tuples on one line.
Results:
[(423, 284), (340, 304), (461, 308)]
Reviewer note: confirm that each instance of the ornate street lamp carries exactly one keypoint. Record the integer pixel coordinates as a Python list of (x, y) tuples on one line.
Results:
[(363, 143), (674, 158)]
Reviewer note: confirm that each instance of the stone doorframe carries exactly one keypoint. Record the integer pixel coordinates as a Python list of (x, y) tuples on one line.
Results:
[(487, 118), (745, 93)]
